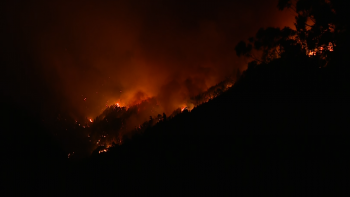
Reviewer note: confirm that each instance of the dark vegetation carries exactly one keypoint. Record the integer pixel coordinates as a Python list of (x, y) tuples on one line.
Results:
[(287, 108)]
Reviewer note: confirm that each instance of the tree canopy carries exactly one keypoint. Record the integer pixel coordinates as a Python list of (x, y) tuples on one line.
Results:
[(320, 28)]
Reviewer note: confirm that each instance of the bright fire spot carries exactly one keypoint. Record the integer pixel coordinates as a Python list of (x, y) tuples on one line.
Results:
[(311, 53), (330, 46), (117, 104), (90, 120), (183, 108), (102, 151)]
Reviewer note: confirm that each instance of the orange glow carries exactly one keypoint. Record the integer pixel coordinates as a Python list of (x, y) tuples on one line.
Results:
[(172, 69), (320, 49), (102, 151), (330, 46), (125, 64), (312, 53)]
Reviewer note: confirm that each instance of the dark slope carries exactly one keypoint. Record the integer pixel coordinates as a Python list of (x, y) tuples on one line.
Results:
[(255, 135), (282, 98), (282, 129)]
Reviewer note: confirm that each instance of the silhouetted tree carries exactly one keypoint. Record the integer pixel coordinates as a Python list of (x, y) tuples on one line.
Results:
[(320, 22), (159, 116), (273, 42), (320, 30)]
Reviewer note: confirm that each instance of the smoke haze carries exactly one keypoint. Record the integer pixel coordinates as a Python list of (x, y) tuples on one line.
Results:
[(80, 56)]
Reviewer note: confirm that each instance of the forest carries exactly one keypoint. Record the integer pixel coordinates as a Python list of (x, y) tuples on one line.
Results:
[(290, 105)]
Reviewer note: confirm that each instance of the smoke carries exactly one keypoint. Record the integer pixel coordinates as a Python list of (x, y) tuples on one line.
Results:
[(89, 54)]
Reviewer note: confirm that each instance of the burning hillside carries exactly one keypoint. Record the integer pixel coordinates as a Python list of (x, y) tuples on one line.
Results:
[(118, 122)]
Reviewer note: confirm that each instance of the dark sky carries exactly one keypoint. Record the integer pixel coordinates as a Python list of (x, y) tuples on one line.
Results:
[(56, 53)]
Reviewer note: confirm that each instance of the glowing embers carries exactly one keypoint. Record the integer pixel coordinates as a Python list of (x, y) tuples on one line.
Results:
[(330, 46), (91, 120), (117, 105), (312, 53), (183, 109), (102, 151), (321, 49)]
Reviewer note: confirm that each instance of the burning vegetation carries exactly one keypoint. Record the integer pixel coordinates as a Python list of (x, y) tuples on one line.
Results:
[(118, 122), (322, 50)]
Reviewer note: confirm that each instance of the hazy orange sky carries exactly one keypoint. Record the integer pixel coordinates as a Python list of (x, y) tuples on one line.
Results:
[(109, 51)]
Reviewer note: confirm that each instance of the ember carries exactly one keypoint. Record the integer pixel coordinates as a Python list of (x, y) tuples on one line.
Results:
[(102, 151)]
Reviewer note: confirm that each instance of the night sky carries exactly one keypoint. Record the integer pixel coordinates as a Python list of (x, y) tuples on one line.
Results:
[(93, 97), (57, 53)]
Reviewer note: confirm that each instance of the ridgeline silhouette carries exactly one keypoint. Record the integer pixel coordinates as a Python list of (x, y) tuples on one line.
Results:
[(299, 86)]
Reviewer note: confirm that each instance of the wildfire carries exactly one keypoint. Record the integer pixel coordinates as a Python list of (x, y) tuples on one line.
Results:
[(321, 49), (117, 104), (330, 46), (102, 151), (183, 108), (311, 53), (90, 120)]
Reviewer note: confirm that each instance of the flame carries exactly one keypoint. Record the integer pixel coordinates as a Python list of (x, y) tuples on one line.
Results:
[(90, 120), (321, 49), (183, 108), (117, 104), (330, 46), (102, 151), (311, 53)]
